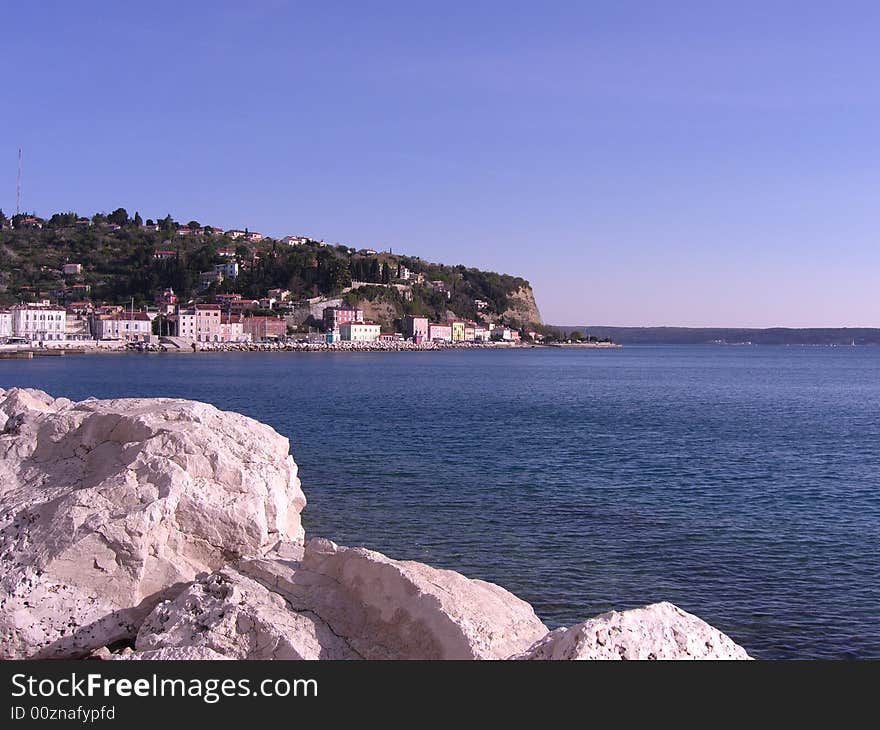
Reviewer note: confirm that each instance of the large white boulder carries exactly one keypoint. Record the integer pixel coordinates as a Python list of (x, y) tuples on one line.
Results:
[(333, 602), (658, 631), (109, 506)]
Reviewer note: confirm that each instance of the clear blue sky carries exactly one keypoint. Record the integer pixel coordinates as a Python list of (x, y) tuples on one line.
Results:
[(689, 163)]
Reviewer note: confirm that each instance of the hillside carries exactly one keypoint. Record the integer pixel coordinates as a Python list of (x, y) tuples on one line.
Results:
[(120, 262)]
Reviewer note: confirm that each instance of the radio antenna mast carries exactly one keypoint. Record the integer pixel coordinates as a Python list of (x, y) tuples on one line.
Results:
[(18, 186)]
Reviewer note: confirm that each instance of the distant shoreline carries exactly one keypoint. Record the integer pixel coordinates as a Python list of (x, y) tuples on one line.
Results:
[(828, 336)]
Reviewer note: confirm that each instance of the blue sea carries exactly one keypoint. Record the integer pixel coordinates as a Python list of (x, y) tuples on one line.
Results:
[(740, 483)]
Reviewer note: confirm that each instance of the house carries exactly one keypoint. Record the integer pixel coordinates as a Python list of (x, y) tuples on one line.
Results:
[(84, 223), (200, 323), (112, 226), (226, 252), (146, 226), (390, 337), (71, 269), (229, 269), (77, 325), (335, 316), (207, 278), (82, 307), (481, 304), (457, 330), (253, 236), (226, 300), (264, 328), (470, 329), (30, 221), (282, 295), (415, 328), (440, 332), (128, 326), (507, 334), (212, 231), (235, 233), (38, 321), (268, 303), (368, 251), (295, 240), (242, 305), (232, 328), (359, 331), (164, 254), (481, 334), (405, 274)]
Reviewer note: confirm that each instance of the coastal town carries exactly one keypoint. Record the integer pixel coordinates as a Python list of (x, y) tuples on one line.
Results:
[(114, 281)]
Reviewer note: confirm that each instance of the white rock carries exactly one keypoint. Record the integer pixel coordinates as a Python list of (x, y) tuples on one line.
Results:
[(239, 618), (395, 609), (108, 507), (174, 653), (658, 631)]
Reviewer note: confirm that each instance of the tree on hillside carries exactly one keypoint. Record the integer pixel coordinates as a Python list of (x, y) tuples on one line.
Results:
[(166, 225), (99, 218), (193, 225), (3, 219), (60, 220), (138, 221), (119, 217), (576, 335)]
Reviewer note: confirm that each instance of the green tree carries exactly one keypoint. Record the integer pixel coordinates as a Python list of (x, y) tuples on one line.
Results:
[(138, 221), (119, 217), (576, 335)]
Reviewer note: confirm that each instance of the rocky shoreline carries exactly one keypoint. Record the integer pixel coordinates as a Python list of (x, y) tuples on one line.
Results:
[(167, 529)]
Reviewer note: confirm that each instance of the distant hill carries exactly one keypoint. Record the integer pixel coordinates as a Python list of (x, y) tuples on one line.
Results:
[(126, 257), (733, 336)]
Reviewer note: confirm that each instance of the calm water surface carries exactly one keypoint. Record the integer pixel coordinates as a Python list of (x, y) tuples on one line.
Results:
[(740, 483)]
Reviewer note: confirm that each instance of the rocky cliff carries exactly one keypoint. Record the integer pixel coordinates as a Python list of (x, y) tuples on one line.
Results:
[(522, 307), (167, 529)]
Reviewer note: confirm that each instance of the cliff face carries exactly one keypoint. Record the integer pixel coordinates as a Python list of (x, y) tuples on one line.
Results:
[(523, 307), (175, 528)]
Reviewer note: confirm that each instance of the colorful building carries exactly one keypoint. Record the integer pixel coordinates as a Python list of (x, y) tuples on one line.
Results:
[(264, 328), (128, 326), (440, 332), (336, 316), (415, 328), (457, 330), (359, 332)]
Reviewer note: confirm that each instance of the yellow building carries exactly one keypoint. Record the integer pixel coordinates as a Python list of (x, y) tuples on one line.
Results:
[(458, 331)]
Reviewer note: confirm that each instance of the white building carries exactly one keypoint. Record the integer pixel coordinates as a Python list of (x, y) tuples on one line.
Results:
[(38, 322), (481, 334), (5, 324), (71, 269), (229, 269), (232, 329), (128, 326), (359, 332)]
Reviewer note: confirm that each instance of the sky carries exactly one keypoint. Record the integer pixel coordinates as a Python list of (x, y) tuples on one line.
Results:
[(640, 163)]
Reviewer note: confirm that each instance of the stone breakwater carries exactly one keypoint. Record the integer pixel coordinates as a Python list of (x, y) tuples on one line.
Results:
[(324, 347), (167, 529)]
